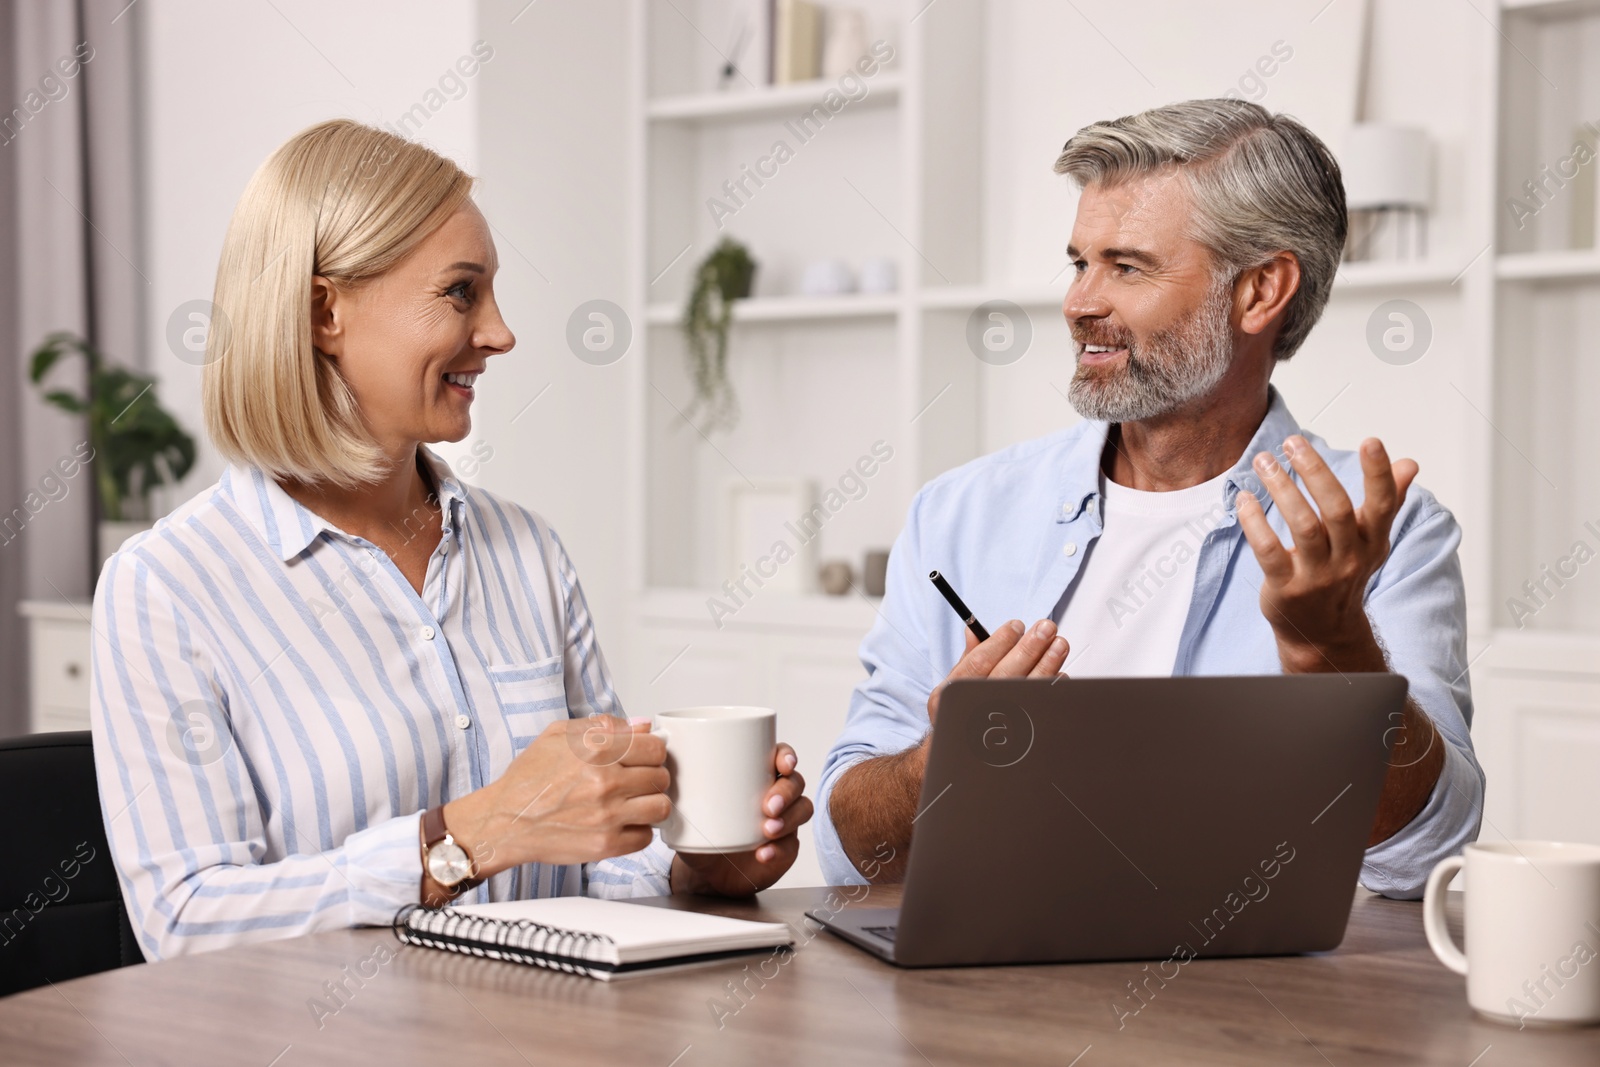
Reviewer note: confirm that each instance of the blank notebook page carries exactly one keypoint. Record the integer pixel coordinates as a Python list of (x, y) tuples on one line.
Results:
[(640, 932)]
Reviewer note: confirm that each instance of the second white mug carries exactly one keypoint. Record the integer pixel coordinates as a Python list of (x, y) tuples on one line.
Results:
[(1533, 930)]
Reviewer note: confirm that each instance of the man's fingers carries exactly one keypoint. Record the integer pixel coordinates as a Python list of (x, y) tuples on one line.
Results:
[(1338, 515), (1377, 475), (1386, 485), (1055, 655), (981, 660), (1306, 528), (1274, 559), (1026, 654)]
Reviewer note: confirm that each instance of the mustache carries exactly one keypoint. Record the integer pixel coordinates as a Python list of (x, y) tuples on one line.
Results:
[(1118, 340)]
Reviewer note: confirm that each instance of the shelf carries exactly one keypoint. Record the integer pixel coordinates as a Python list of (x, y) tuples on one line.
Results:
[(1549, 266), (791, 309), (1358, 277), (736, 105)]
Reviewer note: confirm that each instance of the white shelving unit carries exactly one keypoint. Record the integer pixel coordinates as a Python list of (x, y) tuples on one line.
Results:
[(1574, 264), (791, 309), (819, 379), (1538, 685)]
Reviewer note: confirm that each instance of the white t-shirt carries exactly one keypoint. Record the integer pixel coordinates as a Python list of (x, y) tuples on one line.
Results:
[(1126, 613)]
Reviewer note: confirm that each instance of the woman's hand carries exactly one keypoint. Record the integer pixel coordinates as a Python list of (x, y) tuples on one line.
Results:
[(740, 874), (586, 789)]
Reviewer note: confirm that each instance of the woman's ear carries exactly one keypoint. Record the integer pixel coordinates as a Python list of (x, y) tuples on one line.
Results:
[(327, 317)]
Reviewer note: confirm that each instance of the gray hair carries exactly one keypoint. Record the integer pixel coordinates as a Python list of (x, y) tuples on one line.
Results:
[(1262, 184)]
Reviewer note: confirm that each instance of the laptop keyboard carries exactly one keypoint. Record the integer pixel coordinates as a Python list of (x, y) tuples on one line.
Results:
[(885, 932)]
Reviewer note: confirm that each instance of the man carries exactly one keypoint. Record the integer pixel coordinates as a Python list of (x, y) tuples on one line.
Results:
[(1188, 525)]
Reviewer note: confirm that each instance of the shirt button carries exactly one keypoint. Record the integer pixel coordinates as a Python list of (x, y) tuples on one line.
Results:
[(427, 633), (1066, 510), (462, 722), (1070, 548), (1089, 506)]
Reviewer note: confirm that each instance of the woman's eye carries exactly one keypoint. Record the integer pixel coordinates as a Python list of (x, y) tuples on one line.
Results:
[(460, 290)]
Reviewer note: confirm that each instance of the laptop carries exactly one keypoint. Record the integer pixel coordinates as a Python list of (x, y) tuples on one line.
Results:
[(1138, 819)]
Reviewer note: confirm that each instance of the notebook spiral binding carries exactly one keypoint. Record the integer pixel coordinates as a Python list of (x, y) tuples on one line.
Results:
[(522, 941)]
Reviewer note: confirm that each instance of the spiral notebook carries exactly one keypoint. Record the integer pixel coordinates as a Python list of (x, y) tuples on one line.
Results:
[(600, 938)]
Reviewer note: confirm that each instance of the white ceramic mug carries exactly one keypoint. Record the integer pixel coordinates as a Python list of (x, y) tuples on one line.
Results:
[(720, 759), (1532, 929)]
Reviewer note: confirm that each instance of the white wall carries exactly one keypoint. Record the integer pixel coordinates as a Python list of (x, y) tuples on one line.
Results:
[(226, 84), (554, 146)]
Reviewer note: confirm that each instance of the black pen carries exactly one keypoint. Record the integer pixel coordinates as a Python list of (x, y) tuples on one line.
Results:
[(961, 609)]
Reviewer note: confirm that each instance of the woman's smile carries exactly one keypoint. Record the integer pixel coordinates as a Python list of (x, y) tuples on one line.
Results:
[(461, 382)]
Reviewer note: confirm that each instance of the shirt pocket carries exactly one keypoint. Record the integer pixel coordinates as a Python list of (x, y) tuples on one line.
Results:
[(531, 695)]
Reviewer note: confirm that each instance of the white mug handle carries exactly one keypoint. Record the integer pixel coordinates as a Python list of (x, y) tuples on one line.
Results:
[(1433, 923)]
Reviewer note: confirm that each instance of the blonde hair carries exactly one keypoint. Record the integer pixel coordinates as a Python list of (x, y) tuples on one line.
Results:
[(341, 200)]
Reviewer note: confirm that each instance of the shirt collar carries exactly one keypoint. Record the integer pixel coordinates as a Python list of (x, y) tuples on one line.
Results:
[(289, 527), (1081, 479)]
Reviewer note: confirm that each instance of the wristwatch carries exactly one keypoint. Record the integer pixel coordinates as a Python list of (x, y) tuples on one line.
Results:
[(443, 859)]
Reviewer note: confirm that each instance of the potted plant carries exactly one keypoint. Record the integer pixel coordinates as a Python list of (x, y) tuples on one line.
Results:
[(137, 444), (726, 275)]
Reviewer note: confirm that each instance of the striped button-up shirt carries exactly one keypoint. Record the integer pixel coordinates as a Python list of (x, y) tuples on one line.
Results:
[(274, 705)]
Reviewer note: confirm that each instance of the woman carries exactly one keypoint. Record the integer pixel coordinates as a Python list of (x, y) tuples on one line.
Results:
[(340, 681)]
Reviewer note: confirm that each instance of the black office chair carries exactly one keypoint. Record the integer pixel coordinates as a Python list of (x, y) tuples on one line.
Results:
[(61, 911)]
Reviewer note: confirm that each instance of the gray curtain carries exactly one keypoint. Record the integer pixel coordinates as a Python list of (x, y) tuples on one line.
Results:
[(69, 260)]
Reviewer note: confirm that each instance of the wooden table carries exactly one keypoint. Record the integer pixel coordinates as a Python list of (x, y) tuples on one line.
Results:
[(1380, 998)]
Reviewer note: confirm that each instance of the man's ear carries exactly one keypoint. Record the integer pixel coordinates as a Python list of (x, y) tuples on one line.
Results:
[(1262, 293), (327, 317)]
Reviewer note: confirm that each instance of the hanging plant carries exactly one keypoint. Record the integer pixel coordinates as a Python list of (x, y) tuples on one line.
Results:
[(137, 444), (726, 275)]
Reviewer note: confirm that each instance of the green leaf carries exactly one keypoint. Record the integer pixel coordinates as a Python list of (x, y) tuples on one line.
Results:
[(66, 401)]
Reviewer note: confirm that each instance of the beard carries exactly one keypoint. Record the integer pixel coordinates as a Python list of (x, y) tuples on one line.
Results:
[(1177, 364)]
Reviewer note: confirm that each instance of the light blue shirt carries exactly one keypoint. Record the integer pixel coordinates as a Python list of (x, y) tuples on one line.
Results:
[(1000, 526), (274, 705)]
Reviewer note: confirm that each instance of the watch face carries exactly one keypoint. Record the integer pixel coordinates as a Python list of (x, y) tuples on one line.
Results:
[(449, 863)]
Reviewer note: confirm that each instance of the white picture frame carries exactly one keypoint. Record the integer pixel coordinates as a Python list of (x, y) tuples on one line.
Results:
[(760, 514)]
